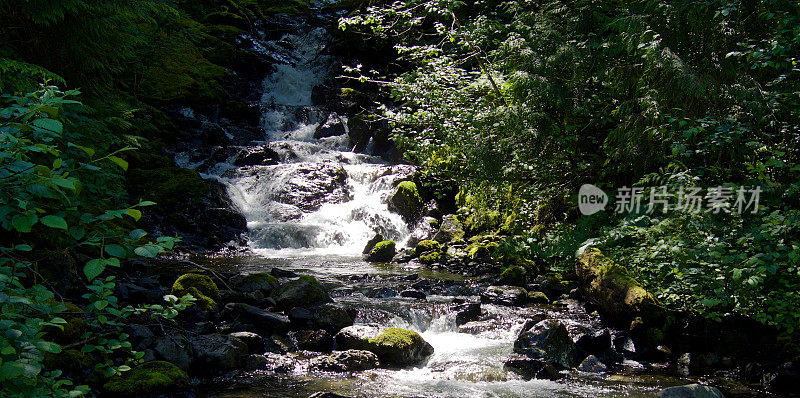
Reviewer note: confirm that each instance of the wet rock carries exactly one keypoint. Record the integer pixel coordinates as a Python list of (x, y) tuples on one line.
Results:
[(371, 243), (449, 230), (254, 342), (269, 362), (477, 327), (549, 340), (504, 295), (174, 349), (406, 201), (383, 252), (394, 346), (415, 294), (538, 298), (330, 317), (282, 273), (257, 156), (532, 368), (304, 291), (346, 361), (382, 292), (313, 340), (218, 351), (333, 126), (278, 344), (786, 380), (592, 365), (467, 313), (690, 391), (403, 256), (265, 321), (308, 185), (599, 344), (424, 230)]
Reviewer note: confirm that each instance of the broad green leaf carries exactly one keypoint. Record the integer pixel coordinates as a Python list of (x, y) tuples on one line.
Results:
[(24, 222), (94, 268), (49, 125), (115, 251), (149, 251), (119, 162), (137, 234), (135, 214), (54, 222)]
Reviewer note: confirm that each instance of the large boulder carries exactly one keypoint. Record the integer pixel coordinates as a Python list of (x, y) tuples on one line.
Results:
[(257, 156), (305, 185), (504, 295), (549, 340), (690, 391), (201, 287), (330, 317), (449, 230), (174, 349), (305, 291), (261, 282), (406, 201), (346, 361), (394, 346), (149, 378), (608, 285), (424, 230), (313, 340), (382, 252), (333, 126), (265, 321), (467, 312), (218, 351), (531, 368), (371, 243)]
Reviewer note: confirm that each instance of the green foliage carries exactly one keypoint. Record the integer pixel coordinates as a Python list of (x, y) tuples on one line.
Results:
[(48, 206), (522, 103)]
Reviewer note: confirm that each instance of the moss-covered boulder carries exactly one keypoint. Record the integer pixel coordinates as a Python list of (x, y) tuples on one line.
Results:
[(305, 291), (382, 252), (431, 258), (513, 276), (394, 346), (481, 250), (200, 286), (371, 243), (149, 378), (450, 230), (258, 282), (406, 201), (426, 246), (615, 292)]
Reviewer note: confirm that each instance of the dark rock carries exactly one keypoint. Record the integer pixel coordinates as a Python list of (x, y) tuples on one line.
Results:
[(406, 201), (394, 346), (260, 282), (532, 368), (140, 336), (282, 273), (416, 294), (592, 365), (786, 380), (254, 342), (372, 242), (257, 156), (331, 317), (313, 340), (218, 351), (304, 291), (599, 344), (467, 313), (504, 295), (266, 321), (382, 292), (549, 340), (690, 391), (383, 251), (332, 127), (346, 361), (174, 349), (307, 185)]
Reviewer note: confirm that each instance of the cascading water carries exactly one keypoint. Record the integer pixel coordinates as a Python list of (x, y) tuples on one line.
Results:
[(321, 198)]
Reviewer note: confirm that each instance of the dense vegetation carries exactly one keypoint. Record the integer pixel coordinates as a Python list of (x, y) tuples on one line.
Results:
[(67, 219), (522, 102)]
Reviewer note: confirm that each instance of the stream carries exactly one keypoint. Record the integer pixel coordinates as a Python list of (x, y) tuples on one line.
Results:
[(312, 210)]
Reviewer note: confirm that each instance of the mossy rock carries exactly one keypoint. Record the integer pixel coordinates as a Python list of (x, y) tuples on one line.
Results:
[(426, 246), (156, 377), (200, 286), (167, 186), (406, 201), (71, 361), (400, 347), (513, 275), (258, 282), (538, 298), (382, 252), (431, 258), (609, 285), (305, 291), (481, 251)]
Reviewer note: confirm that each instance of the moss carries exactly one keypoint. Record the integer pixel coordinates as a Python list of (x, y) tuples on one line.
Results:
[(394, 339), (513, 275), (427, 246), (71, 330), (260, 281), (538, 298), (69, 361), (406, 200), (481, 251), (303, 291), (200, 286), (431, 258), (167, 186), (383, 251), (156, 377)]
